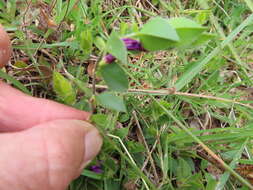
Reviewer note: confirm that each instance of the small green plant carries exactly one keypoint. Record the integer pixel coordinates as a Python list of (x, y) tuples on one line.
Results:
[(157, 34)]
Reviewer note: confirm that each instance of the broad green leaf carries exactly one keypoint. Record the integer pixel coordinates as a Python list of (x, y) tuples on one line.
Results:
[(122, 132), (203, 38), (86, 41), (159, 27), (101, 119), (182, 22), (111, 101), (157, 34), (116, 47), (63, 89), (188, 30), (115, 77), (135, 147), (183, 170)]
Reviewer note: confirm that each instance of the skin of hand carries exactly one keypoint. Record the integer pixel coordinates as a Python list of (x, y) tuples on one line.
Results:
[(44, 145)]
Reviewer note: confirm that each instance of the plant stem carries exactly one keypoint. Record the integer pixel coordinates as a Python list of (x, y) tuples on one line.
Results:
[(172, 91)]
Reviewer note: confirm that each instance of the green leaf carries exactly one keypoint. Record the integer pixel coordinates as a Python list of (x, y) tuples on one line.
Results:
[(122, 133), (86, 41), (111, 101), (135, 147), (211, 182), (91, 174), (182, 22), (114, 77), (101, 120), (203, 38), (116, 47), (188, 30), (63, 89), (183, 170), (157, 34)]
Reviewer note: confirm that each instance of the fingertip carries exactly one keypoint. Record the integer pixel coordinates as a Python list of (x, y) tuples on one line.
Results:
[(92, 143), (82, 139)]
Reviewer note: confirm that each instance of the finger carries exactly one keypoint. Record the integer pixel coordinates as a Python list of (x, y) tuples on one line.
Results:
[(48, 156), (5, 47), (19, 111)]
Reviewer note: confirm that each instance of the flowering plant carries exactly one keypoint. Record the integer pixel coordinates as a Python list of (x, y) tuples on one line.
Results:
[(157, 34)]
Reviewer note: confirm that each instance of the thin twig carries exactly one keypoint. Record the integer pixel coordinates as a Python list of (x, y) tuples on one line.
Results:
[(24, 16), (52, 5), (213, 98), (171, 91), (129, 155), (94, 86), (146, 145)]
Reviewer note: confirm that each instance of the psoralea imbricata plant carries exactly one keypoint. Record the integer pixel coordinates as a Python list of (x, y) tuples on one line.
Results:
[(155, 35)]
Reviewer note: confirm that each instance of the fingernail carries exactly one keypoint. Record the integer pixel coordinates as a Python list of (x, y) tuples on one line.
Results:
[(93, 143)]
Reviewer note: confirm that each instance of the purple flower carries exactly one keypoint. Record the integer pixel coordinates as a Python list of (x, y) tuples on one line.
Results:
[(96, 169), (109, 58), (132, 44)]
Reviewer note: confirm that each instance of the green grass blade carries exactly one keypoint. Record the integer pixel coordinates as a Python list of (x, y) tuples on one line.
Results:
[(15, 82), (206, 148), (197, 68), (91, 174)]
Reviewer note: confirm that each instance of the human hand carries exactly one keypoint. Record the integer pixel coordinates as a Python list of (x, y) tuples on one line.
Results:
[(44, 145)]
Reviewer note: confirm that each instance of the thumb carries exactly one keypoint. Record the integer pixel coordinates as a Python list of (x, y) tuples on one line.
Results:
[(47, 156)]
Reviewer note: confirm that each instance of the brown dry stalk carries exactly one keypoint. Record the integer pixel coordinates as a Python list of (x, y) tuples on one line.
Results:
[(172, 91), (146, 145)]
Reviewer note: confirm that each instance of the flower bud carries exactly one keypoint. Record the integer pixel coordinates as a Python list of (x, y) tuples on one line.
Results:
[(109, 58), (96, 169), (133, 45)]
